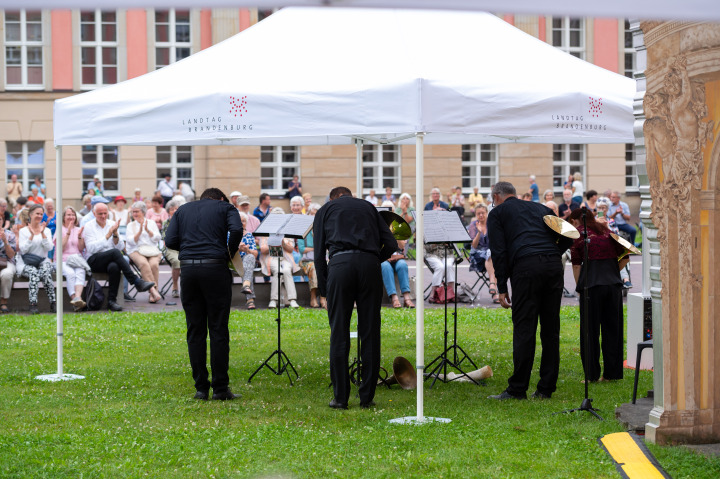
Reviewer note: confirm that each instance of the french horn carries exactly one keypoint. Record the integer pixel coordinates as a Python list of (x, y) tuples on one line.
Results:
[(404, 374), (399, 228)]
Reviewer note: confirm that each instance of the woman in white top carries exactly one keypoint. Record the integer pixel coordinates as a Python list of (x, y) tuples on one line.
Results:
[(141, 243), (36, 239)]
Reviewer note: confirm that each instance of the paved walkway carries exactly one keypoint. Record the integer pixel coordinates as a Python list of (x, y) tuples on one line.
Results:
[(465, 276)]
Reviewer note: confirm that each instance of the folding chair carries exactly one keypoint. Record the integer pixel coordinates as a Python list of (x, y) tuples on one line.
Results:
[(132, 291), (482, 277)]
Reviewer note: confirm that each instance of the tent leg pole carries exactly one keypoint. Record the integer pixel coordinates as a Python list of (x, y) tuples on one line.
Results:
[(419, 271), (58, 254), (60, 374), (358, 168)]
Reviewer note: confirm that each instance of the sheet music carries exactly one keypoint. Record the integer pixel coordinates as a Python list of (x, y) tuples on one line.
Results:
[(444, 227), (289, 226)]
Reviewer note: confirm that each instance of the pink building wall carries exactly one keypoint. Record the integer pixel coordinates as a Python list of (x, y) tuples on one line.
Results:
[(510, 19), (205, 29), (542, 28), (62, 61), (244, 19), (606, 42), (137, 43)]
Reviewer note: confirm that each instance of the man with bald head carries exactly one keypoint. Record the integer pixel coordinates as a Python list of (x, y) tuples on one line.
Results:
[(104, 246)]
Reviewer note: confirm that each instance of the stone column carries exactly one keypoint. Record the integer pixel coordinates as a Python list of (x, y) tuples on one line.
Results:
[(682, 147)]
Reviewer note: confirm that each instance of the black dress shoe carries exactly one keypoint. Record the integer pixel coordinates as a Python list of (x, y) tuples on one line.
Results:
[(201, 395), (224, 396), (335, 404), (539, 395), (113, 306), (53, 307), (142, 285), (128, 298), (34, 309), (367, 405), (505, 395)]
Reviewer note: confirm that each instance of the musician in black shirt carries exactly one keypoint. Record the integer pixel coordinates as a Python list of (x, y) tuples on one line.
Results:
[(357, 241), (204, 232), (527, 252)]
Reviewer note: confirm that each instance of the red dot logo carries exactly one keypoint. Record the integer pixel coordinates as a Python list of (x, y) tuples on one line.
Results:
[(238, 105), (595, 107)]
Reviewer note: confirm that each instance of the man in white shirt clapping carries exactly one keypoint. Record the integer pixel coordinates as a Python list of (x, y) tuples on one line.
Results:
[(104, 246)]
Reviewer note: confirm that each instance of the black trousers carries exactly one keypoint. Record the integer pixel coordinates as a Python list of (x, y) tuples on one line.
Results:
[(112, 263), (537, 286), (354, 278), (206, 293), (606, 314)]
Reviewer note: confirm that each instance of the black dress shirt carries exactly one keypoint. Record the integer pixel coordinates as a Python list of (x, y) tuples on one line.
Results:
[(516, 229), (199, 230), (346, 224)]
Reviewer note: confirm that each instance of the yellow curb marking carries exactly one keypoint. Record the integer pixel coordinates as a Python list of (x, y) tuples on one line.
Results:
[(623, 449)]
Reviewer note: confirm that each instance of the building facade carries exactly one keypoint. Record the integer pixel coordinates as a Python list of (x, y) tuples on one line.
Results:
[(50, 54)]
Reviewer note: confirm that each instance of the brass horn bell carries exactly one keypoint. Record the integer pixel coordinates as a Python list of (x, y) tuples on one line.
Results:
[(399, 228), (404, 374)]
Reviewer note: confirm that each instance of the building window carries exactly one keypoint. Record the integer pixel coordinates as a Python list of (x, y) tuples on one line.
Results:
[(629, 51), (567, 159), (278, 165), (632, 183), (26, 159), (381, 168), (98, 48), (479, 167), (172, 36), (568, 34), (178, 161), (103, 162), (23, 50)]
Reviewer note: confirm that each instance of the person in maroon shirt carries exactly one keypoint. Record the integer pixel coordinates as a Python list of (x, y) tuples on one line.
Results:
[(604, 287)]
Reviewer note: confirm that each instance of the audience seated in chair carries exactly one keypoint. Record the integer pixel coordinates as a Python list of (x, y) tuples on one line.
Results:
[(396, 264), (8, 249), (141, 240), (74, 265), (269, 266), (35, 239), (171, 256), (480, 259), (307, 261), (249, 253), (104, 246)]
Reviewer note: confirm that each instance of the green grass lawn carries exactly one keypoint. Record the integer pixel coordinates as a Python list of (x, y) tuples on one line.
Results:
[(133, 414)]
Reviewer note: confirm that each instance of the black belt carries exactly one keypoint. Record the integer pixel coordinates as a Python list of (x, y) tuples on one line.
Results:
[(189, 262), (351, 251)]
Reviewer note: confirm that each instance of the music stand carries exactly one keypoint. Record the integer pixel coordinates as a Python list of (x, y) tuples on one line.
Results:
[(277, 227), (445, 227), (586, 404)]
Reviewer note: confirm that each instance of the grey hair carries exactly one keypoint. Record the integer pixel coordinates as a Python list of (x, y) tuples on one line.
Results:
[(177, 203), (49, 200), (504, 189), (312, 207), (140, 205), (435, 190), (298, 200), (243, 215), (277, 210)]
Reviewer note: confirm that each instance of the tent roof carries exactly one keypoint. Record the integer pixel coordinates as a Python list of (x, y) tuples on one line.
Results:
[(656, 9), (324, 76)]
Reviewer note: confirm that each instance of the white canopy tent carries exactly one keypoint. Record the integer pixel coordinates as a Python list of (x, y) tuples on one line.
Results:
[(655, 9), (313, 76)]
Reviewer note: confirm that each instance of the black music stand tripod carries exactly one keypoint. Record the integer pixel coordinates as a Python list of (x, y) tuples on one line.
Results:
[(445, 227), (444, 358), (283, 362), (586, 404)]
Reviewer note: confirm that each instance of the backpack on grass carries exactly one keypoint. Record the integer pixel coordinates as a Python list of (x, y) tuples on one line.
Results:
[(93, 295)]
